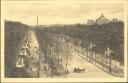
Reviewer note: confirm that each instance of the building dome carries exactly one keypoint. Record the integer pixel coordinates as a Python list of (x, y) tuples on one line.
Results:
[(102, 20)]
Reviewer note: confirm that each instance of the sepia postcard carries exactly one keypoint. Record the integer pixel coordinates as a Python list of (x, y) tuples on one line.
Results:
[(64, 41)]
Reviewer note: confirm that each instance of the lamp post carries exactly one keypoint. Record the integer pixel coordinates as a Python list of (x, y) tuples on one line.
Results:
[(52, 48), (66, 62), (109, 51), (90, 49), (115, 58)]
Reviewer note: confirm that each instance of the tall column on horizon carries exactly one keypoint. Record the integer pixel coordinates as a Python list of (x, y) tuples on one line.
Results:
[(38, 68), (37, 21)]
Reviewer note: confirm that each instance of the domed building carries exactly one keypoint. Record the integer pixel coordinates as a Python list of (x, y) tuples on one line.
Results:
[(90, 22), (102, 20)]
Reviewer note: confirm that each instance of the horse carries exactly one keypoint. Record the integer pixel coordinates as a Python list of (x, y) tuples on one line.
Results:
[(78, 70), (82, 70)]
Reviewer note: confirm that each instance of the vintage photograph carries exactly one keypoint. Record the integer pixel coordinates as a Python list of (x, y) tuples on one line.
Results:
[(64, 39)]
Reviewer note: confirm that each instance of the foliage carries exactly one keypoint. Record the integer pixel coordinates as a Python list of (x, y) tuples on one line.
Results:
[(103, 36), (14, 34)]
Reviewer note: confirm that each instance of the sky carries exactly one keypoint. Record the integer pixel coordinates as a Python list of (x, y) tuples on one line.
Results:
[(60, 12)]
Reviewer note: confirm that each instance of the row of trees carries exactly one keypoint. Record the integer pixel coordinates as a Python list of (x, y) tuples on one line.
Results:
[(53, 53), (103, 36), (14, 34)]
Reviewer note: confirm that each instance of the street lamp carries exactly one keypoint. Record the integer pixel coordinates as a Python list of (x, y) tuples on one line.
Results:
[(108, 52), (90, 49)]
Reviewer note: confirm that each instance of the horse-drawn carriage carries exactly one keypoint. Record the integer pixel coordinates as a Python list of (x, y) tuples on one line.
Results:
[(78, 70)]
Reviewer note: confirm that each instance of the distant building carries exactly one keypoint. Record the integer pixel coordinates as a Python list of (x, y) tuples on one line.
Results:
[(102, 20), (114, 20), (90, 22)]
